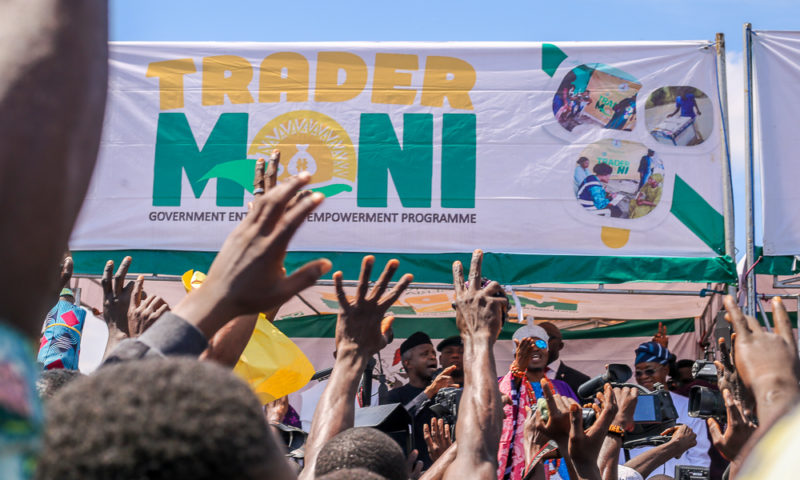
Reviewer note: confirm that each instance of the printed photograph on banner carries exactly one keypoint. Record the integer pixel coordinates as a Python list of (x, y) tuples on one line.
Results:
[(618, 179), (596, 95), (679, 116)]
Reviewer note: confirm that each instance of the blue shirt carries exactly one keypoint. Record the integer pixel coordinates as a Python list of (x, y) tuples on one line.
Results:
[(580, 175)]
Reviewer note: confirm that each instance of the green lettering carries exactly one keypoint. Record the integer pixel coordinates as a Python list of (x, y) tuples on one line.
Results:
[(177, 151), (411, 164), (458, 160)]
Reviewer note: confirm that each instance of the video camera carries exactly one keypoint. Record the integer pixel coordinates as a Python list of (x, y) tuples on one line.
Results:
[(655, 411), (705, 402), (444, 405)]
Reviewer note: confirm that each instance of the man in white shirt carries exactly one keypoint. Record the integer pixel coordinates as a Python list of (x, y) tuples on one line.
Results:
[(651, 368)]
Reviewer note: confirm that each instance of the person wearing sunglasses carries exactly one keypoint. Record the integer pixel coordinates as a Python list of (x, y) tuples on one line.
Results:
[(651, 367), (521, 385)]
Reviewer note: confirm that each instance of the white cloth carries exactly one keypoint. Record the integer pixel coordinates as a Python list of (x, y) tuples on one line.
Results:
[(311, 398), (627, 473), (697, 455)]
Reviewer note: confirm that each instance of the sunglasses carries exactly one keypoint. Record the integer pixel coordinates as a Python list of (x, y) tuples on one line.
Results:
[(540, 344), (648, 371)]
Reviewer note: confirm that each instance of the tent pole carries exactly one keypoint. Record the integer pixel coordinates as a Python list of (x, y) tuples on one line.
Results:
[(727, 184), (750, 308)]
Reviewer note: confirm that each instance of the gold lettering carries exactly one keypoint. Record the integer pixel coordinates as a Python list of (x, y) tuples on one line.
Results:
[(387, 77), (447, 77), (273, 82), (328, 88), (170, 80), (217, 83)]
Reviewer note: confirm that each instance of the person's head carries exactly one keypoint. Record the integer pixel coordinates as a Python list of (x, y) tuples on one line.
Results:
[(451, 352), (539, 358), (65, 83), (651, 364), (650, 152), (351, 474), (583, 162), (556, 342), (683, 371), (419, 356), (603, 172), (51, 381), (366, 448), (655, 179), (157, 419)]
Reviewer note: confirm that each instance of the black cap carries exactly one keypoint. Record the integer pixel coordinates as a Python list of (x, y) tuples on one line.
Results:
[(416, 338), (449, 342)]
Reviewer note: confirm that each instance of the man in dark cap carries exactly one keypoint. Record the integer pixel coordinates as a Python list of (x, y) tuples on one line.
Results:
[(419, 361), (451, 352)]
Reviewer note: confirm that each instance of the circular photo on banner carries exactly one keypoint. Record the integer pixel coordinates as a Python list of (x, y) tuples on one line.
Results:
[(618, 179), (679, 116), (595, 95)]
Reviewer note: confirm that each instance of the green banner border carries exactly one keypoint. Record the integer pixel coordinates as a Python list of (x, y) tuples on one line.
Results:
[(508, 269), (324, 326), (780, 265)]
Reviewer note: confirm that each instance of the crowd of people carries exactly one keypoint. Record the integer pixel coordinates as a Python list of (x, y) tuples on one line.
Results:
[(165, 404)]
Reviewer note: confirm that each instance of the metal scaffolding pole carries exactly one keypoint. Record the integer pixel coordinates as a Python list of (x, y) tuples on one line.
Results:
[(750, 308), (727, 183)]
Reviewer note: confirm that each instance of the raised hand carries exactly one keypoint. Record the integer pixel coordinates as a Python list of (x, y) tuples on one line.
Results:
[(683, 438), (247, 276), (523, 354), (437, 437), (737, 431), (66, 274), (479, 311), (414, 465), (143, 312), (626, 400), (556, 425), (661, 336), (608, 412), (360, 325), (441, 381), (767, 362), (728, 378)]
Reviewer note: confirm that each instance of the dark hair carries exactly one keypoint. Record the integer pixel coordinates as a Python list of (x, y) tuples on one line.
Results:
[(583, 159), (602, 169), (51, 381), (156, 419), (366, 448), (351, 474)]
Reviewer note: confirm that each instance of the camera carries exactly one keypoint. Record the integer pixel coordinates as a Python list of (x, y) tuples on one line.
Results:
[(691, 472), (704, 370), (705, 402), (444, 405), (615, 373), (655, 412)]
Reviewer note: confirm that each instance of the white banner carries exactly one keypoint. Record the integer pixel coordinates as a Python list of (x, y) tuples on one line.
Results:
[(574, 148), (776, 71)]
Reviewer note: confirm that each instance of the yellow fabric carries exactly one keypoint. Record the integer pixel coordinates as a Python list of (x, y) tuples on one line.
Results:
[(271, 363), (775, 456)]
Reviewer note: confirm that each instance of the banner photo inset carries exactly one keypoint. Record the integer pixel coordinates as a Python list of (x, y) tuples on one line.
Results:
[(516, 148), (776, 68)]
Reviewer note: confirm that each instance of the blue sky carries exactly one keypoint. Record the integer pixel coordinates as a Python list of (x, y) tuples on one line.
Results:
[(470, 20)]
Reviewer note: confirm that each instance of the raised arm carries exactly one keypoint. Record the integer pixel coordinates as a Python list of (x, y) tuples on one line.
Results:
[(479, 314), (358, 337), (683, 438)]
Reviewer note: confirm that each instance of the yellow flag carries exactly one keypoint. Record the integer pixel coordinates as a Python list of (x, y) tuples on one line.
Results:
[(271, 363)]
